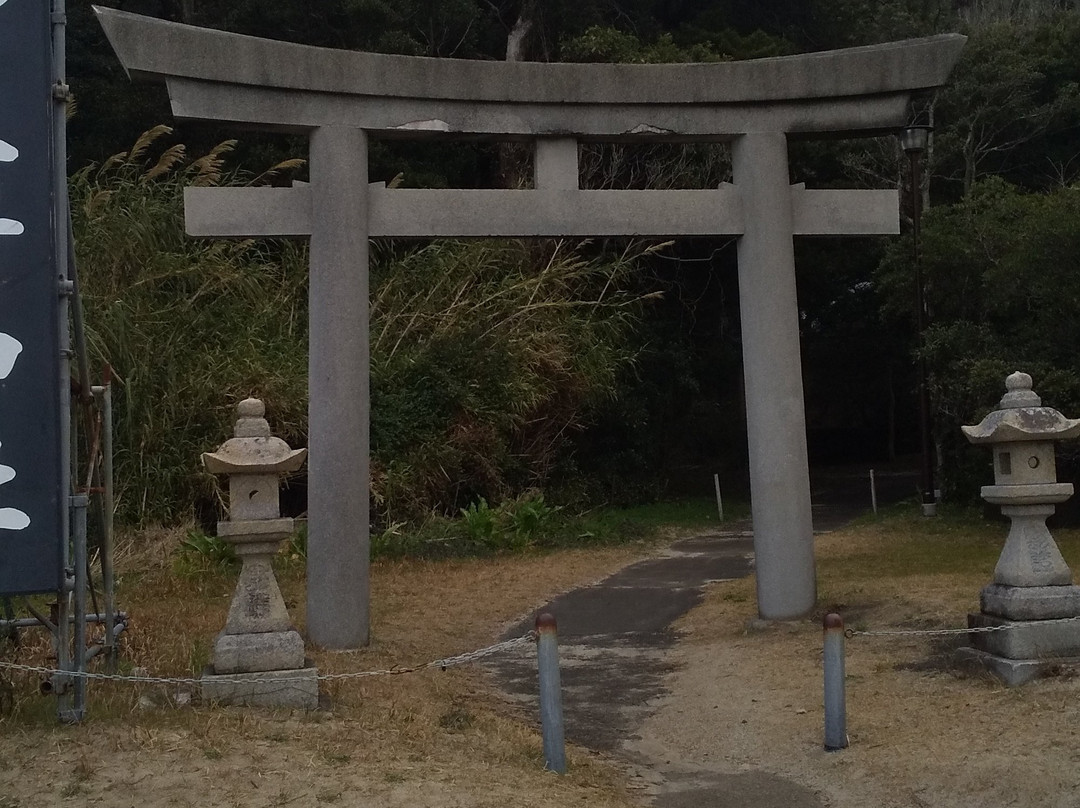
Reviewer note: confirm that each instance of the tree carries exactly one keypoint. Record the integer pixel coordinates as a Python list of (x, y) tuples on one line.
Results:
[(1003, 269), (1012, 102)]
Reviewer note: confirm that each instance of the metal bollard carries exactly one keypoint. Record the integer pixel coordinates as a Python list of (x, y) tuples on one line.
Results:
[(551, 718), (835, 695)]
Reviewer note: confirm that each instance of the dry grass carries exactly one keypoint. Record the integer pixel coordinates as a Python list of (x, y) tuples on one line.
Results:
[(432, 738), (922, 732)]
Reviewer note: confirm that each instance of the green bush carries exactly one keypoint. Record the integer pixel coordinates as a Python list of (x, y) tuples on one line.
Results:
[(190, 327), (1003, 283), (199, 552), (485, 356)]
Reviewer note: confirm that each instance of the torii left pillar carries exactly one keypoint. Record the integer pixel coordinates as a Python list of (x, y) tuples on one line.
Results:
[(339, 373)]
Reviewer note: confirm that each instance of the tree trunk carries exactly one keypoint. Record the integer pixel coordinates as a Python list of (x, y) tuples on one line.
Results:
[(517, 41), (513, 158)]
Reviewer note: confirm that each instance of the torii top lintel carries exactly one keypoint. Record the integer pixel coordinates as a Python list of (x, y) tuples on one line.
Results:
[(214, 75)]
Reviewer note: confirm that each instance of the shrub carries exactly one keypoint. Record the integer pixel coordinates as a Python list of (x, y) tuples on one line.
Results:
[(486, 356)]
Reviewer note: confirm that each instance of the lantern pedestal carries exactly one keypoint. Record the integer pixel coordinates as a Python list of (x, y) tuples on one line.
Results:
[(258, 656), (297, 689), (1030, 602)]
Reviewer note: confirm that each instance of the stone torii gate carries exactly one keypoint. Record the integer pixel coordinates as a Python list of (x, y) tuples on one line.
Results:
[(340, 98)]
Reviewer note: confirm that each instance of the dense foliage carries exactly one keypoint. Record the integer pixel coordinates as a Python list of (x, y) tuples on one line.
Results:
[(538, 377), (1003, 268), (486, 357)]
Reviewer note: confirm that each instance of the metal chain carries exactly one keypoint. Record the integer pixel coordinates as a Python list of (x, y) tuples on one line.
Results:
[(849, 633), (244, 679)]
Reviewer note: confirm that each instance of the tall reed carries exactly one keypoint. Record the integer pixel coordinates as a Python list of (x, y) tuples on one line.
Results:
[(486, 355)]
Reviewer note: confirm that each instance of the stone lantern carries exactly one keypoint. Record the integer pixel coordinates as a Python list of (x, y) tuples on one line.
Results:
[(259, 656), (1032, 583)]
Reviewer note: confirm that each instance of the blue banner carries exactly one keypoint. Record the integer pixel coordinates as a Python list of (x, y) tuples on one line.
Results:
[(31, 479)]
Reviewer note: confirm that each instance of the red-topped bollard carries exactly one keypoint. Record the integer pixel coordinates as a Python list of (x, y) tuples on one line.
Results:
[(551, 717), (835, 696)]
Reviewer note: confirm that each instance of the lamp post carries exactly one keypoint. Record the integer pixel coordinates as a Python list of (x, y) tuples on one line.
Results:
[(914, 140)]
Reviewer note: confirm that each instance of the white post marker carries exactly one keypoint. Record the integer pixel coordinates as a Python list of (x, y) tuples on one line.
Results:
[(873, 492), (719, 501)]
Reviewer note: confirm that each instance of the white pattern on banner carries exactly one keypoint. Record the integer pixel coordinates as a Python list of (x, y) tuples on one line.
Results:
[(9, 154), (10, 348), (10, 518)]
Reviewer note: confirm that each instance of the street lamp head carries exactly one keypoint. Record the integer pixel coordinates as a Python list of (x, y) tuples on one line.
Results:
[(913, 139)]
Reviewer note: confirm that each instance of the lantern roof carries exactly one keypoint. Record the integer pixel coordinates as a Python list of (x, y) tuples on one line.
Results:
[(253, 450), (1022, 417)]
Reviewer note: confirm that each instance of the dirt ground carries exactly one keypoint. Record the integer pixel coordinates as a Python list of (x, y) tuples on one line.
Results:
[(435, 738), (743, 699), (922, 733)]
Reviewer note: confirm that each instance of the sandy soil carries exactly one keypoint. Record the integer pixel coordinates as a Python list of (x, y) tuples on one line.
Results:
[(743, 700), (437, 738), (921, 733)]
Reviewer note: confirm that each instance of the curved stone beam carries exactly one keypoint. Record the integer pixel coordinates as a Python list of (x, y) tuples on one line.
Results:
[(217, 75)]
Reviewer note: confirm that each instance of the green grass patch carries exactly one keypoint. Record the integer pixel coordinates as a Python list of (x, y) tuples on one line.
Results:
[(528, 523), (959, 540), (644, 520)]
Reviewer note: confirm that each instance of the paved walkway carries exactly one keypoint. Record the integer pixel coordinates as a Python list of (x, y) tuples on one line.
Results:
[(614, 637)]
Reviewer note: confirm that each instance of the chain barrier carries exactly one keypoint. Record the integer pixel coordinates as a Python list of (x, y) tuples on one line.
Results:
[(244, 679), (850, 633)]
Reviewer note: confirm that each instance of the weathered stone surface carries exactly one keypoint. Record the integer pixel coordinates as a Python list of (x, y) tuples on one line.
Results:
[(1030, 556), (1015, 672), (1046, 493), (253, 496), (457, 212), (1034, 639), (252, 449), (339, 403), (1020, 417), (159, 49), (257, 605), (298, 689), (772, 379), (1026, 487), (269, 651), (1030, 602), (257, 532), (258, 637)]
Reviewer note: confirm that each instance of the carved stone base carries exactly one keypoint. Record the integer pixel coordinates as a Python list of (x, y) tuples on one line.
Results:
[(1026, 639), (298, 689), (1030, 556), (1030, 602), (269, 651), (1015, 672)]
